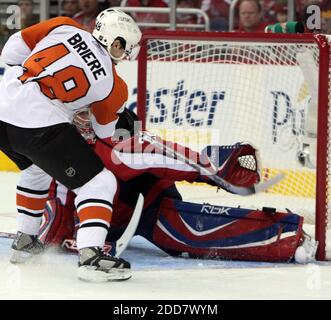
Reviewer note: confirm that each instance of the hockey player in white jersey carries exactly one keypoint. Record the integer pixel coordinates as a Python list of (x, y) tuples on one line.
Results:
[(56, 69)]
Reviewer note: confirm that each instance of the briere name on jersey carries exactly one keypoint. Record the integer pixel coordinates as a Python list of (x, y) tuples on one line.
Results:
[(87, 55)]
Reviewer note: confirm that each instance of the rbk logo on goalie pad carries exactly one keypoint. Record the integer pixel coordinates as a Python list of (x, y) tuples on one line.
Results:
[(71, 245), (207, 208), (242, 234)]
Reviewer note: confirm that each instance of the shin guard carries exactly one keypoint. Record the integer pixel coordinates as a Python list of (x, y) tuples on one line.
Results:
[(209, 231)]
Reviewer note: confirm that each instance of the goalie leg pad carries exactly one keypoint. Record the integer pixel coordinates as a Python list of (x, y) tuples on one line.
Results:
[(58, 223), (209, 231)]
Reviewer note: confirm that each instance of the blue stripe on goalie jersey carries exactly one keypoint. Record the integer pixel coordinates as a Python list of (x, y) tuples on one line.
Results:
[(246, 238)]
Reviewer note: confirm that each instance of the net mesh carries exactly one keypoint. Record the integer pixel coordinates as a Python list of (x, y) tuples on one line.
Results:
[(223, 92)]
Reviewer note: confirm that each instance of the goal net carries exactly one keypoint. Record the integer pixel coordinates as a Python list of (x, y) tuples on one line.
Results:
[(268, 89)]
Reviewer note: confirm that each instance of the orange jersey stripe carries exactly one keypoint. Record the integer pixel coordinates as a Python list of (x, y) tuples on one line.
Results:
[(106, 109), (94, 212), (32, 35), (30, 203)]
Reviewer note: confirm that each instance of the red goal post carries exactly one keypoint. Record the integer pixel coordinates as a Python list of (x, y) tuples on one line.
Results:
[(242, 69)]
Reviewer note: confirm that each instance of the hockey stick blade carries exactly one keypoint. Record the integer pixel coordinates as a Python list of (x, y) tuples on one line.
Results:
[(263, 186), (225, 185), (7, 235), (246, 191), (130, 230), (256, 188)]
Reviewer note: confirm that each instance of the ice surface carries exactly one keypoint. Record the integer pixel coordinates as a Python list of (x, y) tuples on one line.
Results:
[(155, 274)]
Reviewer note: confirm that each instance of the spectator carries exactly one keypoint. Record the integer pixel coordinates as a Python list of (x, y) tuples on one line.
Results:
[(69, 7), (218, 12), (27, 16), (281, 13), (250, 16), (114, 3), (326, 22), (185, 18), (89, 9), (325, 5), (302, 14), (27, 19), (302, 5), (149, 17), (276, 10), (3, 36), (150, 3)]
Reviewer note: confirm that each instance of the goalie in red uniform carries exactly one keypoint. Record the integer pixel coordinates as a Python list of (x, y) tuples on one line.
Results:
[(175, 226)]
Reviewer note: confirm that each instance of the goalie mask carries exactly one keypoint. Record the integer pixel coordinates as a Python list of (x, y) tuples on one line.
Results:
[(112, 24), (83, 124)]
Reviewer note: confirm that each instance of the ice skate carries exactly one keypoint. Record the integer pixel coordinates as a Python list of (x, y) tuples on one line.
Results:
[(96, 266), (306, 252), (25, 247)]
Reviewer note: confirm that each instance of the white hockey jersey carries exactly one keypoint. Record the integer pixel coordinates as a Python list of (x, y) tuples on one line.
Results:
[(57, 69)]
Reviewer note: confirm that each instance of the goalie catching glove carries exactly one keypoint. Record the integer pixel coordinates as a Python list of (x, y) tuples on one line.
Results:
[(238, 164)]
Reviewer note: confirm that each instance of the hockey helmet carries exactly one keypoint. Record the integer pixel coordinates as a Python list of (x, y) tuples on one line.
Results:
[(112, 24)]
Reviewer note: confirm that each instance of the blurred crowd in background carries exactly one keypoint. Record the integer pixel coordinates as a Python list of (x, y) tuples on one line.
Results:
[(250, 15)]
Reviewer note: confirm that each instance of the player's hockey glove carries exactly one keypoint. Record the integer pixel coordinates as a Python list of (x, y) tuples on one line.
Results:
[(238, 164), (125, 125)]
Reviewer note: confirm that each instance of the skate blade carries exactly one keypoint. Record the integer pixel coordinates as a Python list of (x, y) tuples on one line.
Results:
[(20, 257), (90, 274)]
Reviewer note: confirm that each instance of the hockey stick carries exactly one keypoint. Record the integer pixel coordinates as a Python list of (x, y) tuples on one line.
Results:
[(229, 187), (69, 244), (124, 240), (130, 230), (7, 235)]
